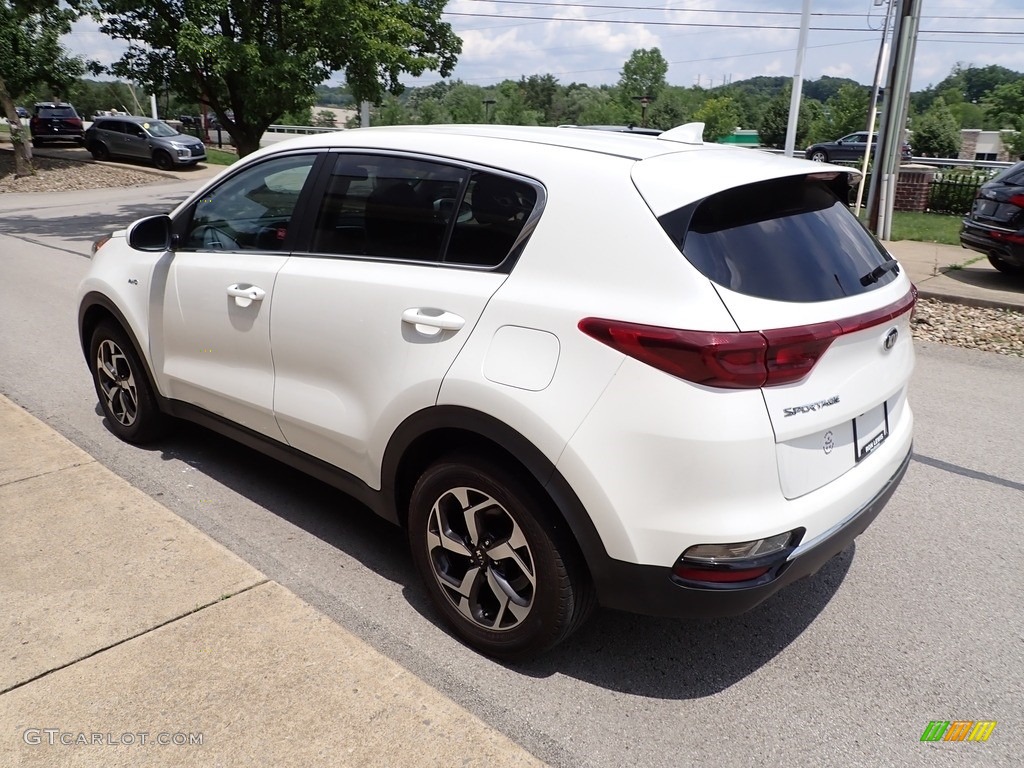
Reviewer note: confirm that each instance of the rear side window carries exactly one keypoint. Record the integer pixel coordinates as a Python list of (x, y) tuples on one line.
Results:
[(785, 239)]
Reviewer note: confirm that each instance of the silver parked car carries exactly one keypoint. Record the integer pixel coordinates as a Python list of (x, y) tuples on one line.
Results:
[(142, 138)]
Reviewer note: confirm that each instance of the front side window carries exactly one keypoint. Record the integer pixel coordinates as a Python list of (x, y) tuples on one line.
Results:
[(252, 210), (786, 239)]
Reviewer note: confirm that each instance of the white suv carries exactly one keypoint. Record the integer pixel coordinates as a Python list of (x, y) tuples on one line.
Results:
[(578, 367)]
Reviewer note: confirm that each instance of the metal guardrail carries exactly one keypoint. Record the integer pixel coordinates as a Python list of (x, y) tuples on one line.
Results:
[(303, 129)]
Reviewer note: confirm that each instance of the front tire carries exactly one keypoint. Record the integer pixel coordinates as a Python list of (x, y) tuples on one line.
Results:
[(819, 156), (502, 573), (100, 151), (122, 386), (162, 160)]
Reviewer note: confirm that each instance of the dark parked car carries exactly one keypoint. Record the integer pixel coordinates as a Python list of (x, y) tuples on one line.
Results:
[(995, 225), (22, 112), (142, 138), (55, 121), (848, 148)]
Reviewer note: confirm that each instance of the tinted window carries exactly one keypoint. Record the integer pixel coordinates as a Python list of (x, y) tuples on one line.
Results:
[(111, 125), (387, 206), (490, 219), (57, 112), (251, 210), (786, 239), (1012, 175), (159, 128)]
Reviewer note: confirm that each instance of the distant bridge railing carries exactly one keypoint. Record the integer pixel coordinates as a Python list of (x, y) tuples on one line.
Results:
[(303, 129)]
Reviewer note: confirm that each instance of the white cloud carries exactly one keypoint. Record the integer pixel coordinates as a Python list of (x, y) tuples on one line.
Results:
[(506, 46)]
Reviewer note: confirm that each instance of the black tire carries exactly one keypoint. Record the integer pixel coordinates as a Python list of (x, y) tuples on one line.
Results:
[(37, 143), (545, 592), (122, 386), (819, 156), (100, 151), (1004, 266), (162, 160)]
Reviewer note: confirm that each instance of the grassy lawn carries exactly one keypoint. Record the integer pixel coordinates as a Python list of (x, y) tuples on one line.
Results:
[(220, 157), (926, 227)]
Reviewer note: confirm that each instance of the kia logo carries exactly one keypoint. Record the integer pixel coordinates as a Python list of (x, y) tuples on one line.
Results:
[(890, 339)]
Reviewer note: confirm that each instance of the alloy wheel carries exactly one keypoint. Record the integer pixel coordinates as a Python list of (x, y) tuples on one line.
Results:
[(117, 382), (481, 559)]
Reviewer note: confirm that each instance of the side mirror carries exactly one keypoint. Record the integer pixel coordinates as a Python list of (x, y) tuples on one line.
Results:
[(151, 234)]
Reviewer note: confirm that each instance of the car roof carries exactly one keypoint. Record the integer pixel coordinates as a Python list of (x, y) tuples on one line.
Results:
[(52, 104), (129, 118), (470, 140)]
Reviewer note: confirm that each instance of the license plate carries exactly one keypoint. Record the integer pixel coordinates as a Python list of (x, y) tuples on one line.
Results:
[(870, 430), (987, 207)]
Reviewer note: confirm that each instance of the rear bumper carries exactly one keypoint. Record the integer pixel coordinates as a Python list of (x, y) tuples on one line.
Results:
[(651, 590), (980, 239)]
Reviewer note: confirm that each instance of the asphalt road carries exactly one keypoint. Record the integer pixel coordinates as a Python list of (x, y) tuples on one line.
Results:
[(921, 620)]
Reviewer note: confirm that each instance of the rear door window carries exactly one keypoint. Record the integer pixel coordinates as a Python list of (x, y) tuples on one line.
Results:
[(786, 239)]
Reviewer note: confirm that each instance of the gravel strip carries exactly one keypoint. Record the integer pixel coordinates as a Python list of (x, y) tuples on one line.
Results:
[(993, 330), (54, 175)]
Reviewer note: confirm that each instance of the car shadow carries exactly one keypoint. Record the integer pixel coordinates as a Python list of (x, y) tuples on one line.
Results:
[(25, 222), (983, 277), (640, 655)]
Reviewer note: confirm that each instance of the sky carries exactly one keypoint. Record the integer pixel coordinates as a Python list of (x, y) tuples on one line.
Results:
[(706, 42)]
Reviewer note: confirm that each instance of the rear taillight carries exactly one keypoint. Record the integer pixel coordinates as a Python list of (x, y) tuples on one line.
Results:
[(731, 359), (74, 121), (1017, 200)]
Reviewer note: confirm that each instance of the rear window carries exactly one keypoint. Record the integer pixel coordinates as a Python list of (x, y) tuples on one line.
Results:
[(786, 239), (1013, 175), (57, 112)]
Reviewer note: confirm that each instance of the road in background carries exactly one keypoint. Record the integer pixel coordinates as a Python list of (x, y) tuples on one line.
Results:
[(919, 621)]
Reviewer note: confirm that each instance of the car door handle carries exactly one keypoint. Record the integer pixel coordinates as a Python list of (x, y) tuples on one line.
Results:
[(246, 294), (433, 318)]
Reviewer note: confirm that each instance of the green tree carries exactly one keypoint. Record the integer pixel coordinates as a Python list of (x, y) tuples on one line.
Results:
[(720, 117), (252, 60), (539, 94), (431, 112), (642, 75), (32, 57), (774, 123), (465, 103), (672, 108), (511, 108), (391, 111), (937, 132), (844, 113), (325, 119), (1005, 105)]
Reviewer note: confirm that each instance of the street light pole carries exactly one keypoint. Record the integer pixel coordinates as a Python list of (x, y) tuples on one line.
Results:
[(644, 101)]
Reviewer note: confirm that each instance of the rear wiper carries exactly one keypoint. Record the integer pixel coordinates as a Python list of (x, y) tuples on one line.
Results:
[(881, 269)]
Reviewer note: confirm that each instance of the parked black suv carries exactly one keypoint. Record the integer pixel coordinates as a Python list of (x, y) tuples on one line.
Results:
[(55, 121), (995, 225)]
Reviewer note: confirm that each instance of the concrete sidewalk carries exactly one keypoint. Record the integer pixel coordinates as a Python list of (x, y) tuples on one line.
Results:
[(130, 638), (954, 274)]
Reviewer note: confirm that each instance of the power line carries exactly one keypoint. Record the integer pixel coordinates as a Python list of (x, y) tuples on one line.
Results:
[(717, 25)]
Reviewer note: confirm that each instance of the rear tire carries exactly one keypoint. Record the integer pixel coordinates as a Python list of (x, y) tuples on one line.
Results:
[(1004, 266), (122, 386), (499, 568)]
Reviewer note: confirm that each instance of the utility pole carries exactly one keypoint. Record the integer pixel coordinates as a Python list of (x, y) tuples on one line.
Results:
[(798, 80), (894, 119)]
